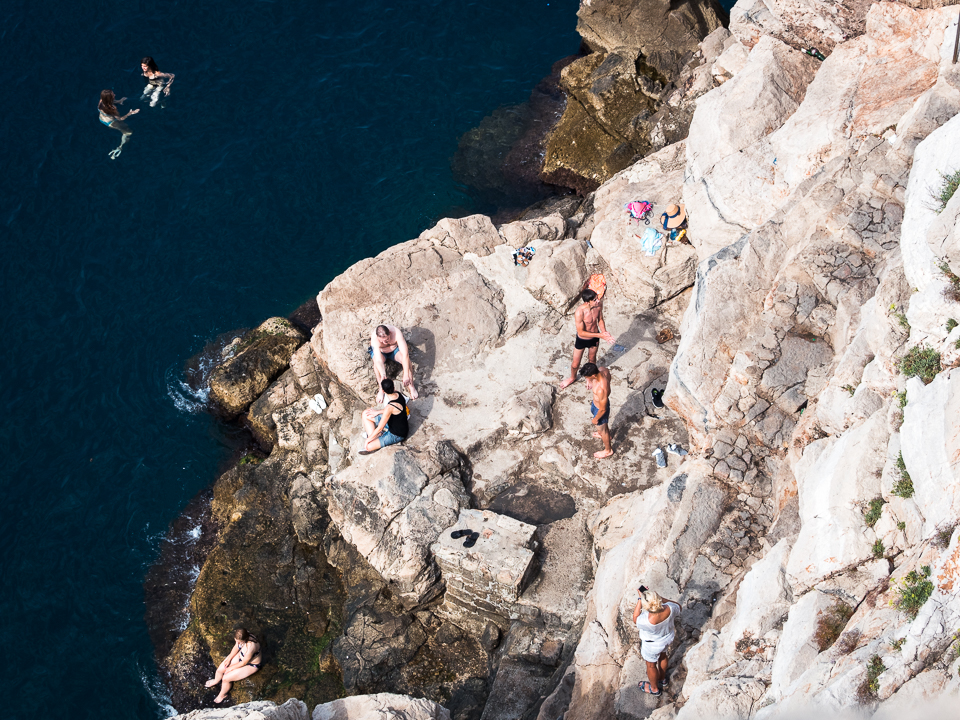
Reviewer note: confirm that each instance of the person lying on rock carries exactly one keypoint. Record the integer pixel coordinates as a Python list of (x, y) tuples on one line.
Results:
[(654, 618), (387, 342), (389, 425), (588, 320), (241, 663), (598, 381)]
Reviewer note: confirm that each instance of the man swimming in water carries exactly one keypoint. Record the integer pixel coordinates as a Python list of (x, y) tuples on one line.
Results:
[(598, 381), (590, 330), (387, 341)]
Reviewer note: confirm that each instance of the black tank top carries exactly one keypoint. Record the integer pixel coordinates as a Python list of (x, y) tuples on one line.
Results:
[(397, 423)]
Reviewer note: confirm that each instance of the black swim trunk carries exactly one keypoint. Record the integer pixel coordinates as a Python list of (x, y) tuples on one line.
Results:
[(582, 344)]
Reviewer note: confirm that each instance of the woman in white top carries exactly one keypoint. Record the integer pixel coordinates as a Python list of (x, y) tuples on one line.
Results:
[(654, 618)]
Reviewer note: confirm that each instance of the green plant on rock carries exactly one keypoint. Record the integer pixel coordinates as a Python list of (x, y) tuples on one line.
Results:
[(950, 183), (901, 399), (943, 535), (249, 459), (923, 363), (952, 292), (878, 548), (904, 486), (867, 692), (874, 511), (849, 388), (831, 624), (901, 526), (951, 324), (898, 644), (913, 591)]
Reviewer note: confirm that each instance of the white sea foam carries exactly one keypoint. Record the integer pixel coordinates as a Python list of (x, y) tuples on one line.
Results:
[(185, 398), (158, 693), (194, 533)]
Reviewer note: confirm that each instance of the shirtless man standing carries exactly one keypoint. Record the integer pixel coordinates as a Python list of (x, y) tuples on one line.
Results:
[(598, 380), (590, 330), (387, 342)]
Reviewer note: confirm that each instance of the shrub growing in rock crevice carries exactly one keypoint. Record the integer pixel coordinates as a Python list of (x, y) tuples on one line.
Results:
[(831, 624), (867, 692), (904, 486), (920, 362), (874, 511), (952, 291), (913, 591), (951, 181)]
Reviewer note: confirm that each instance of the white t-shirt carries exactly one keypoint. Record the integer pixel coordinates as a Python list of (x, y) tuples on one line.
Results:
[(662, 631)]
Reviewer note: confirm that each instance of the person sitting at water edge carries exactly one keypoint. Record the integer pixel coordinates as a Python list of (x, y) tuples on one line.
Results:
[(654, 618), (154, 81), (110, 116), (241, 663), (388, 426), (588, 320), (387, 342), (598, 381)]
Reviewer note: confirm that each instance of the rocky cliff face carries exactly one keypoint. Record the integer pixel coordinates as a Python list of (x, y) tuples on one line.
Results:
[(808, 341)]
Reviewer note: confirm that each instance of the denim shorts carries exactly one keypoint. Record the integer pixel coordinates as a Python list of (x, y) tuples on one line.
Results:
[(386, 437)]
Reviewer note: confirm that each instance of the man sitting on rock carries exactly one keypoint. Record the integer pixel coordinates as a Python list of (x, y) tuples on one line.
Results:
[(598, 381), (590, 329), (387, 342)]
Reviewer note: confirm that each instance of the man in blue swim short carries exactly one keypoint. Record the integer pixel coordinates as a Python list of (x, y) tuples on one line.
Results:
[(386, 342), (598, 382)]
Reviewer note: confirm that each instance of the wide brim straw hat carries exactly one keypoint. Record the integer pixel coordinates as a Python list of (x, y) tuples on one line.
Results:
[(676, 214)]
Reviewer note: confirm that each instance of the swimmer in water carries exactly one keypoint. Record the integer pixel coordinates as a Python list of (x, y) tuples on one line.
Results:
[(155, 81), (110, 116)]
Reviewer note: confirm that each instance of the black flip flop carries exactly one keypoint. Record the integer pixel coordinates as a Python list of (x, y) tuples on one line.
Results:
[(457, 534), (472, 540)]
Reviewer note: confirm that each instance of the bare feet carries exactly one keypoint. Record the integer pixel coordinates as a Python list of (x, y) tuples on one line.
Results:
[(603, 454), (219, 699), (211, 683), (569, 381), (413, 391)]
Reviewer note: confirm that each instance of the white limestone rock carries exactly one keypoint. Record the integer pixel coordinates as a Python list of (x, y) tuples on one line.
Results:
[(292, 709), (382, 706), (834, 477), (930, 443)]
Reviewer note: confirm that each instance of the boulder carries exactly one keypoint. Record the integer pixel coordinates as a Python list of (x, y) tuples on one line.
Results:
[(292, 709), (392, 505), (649, 26), (260, 356), (557, 273), (382, 706)]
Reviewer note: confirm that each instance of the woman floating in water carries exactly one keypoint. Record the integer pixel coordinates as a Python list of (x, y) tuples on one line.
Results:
[(110, 116), (242, 662), (154, 81)]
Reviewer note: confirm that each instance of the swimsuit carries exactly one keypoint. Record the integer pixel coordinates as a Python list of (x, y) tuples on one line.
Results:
[(606, 413), (251, 664), (392, 355), (583, 343)]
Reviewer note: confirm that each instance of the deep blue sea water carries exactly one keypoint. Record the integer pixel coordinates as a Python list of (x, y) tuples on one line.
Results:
[(299, 138)]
